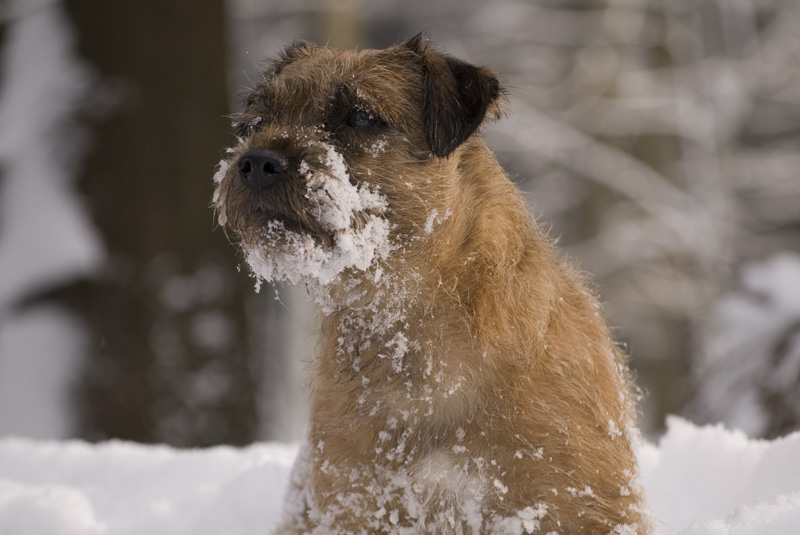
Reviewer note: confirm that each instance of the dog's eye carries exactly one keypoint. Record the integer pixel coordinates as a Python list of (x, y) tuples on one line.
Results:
[(358, 118)]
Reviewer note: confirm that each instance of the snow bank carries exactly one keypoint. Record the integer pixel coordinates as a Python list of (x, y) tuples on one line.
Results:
[(710, 480), (700, 480), (73, 488)]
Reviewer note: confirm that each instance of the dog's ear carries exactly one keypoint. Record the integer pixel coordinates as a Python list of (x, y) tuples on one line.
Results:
[(456, 97)]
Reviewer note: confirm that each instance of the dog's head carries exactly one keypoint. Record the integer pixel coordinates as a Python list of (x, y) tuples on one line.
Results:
[(343, 155)]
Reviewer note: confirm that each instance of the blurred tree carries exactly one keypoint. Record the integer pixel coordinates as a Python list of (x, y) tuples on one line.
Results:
[(748, 372), (172, 359), (343, 23)]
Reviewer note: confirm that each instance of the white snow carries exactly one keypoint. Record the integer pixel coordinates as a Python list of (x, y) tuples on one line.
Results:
[(717, 481), (283, 255), (700, 481), (336, 197), (65, 488)]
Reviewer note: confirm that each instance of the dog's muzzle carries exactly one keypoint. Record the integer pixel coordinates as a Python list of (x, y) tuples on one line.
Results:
[(260, 168)]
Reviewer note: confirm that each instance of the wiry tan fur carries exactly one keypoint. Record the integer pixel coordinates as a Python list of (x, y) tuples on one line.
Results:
[(504, 406)]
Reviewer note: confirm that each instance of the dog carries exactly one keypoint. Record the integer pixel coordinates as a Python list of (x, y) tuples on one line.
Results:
[(465, 382)]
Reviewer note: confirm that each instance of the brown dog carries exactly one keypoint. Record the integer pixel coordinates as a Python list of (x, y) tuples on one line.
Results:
[(465, 383)]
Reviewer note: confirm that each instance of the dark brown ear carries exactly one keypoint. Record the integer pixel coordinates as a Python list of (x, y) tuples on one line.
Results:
[(456, 96)]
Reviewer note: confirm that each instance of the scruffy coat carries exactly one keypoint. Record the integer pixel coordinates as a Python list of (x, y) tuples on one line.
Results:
[(466, 382)]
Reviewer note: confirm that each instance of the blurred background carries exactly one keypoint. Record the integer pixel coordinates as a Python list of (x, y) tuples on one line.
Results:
[(657, 140)]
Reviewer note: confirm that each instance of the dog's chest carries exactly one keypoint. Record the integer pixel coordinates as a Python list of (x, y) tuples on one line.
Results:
[(449, 491)]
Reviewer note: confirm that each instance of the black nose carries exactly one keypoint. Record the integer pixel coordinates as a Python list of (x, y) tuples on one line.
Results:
[(259, 168)]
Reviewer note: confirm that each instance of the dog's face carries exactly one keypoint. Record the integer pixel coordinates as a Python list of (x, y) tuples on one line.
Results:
[(343, 155)]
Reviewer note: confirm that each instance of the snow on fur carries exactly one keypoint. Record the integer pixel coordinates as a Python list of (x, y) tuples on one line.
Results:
[(283, 255)]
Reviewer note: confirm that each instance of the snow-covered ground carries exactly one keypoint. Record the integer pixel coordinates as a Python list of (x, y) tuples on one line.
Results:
[(700, 480)]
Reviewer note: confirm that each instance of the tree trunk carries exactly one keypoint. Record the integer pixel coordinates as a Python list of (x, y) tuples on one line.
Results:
[(172, 358)]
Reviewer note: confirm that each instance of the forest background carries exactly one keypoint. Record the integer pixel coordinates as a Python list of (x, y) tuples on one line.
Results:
[(657, 140)]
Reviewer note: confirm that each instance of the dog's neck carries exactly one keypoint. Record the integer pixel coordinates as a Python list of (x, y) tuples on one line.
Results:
[(398, 323), (366, 313)]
